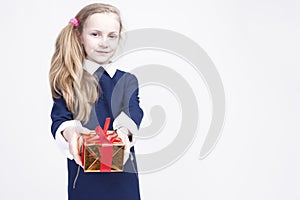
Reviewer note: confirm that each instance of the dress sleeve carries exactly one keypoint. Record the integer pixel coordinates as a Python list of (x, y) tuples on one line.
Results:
[(131, 103), (59, 114), (61, 119)]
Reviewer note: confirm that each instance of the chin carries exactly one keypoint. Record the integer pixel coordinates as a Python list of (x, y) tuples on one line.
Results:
[(103, 60)]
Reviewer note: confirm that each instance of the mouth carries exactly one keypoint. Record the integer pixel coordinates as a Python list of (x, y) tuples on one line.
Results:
[(103, 52)]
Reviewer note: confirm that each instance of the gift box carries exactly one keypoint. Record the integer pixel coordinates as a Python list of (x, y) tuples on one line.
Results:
[(102, 151)]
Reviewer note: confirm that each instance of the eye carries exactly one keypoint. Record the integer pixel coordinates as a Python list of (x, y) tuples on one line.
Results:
[(113, 36), (95, 34)]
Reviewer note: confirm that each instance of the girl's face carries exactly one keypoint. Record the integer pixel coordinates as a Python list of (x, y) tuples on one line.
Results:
[(100, 37)]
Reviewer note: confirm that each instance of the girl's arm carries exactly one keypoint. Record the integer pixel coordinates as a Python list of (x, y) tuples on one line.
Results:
[(131, 113), (133, 108), (62, 118), (59, 114)]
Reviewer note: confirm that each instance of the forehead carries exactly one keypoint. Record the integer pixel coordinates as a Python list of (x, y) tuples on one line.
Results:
[(105, 22)]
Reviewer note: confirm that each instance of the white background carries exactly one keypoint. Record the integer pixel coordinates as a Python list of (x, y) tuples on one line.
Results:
[(255, 46)]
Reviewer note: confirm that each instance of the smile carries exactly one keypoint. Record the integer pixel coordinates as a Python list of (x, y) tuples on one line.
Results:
[(103, 52)]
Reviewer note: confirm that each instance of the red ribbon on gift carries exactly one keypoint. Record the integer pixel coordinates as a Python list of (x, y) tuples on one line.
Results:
[(106, 150)]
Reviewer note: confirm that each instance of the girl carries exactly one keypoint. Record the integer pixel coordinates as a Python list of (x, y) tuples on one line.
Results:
[(86, 91)]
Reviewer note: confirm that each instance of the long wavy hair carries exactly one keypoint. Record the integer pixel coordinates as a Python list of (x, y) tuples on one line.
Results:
[(67, 78)]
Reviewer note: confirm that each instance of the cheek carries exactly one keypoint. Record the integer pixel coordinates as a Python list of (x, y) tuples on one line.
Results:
[(88, 45), (114, 44)]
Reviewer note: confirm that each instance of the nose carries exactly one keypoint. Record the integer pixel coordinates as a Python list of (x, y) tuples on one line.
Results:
[(103, 42)]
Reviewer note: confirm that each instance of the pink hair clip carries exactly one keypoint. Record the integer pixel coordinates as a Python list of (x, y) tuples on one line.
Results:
[(74, 21)]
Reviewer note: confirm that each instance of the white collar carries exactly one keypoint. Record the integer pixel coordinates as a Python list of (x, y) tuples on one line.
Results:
[(92, 67)]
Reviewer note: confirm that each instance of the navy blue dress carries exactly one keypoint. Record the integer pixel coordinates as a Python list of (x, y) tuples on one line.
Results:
[(118, 94)]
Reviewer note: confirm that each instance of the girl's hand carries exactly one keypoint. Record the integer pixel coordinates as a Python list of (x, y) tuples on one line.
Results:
[(123, 134), (73, 135)]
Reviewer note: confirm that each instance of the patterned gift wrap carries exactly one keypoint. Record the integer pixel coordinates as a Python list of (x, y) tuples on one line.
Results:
[(103, 151)]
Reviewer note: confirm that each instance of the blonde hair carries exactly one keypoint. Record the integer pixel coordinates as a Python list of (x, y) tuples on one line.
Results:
[(67, 77)]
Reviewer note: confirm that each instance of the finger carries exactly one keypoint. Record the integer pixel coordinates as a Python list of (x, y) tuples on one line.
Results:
[(127, 143), (124, 137), (74, 150), (126, 150), (80, 142), (85, 131), (77, 158)]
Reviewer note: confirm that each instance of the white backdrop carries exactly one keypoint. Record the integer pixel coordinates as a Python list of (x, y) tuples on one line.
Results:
[(254, 45)]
